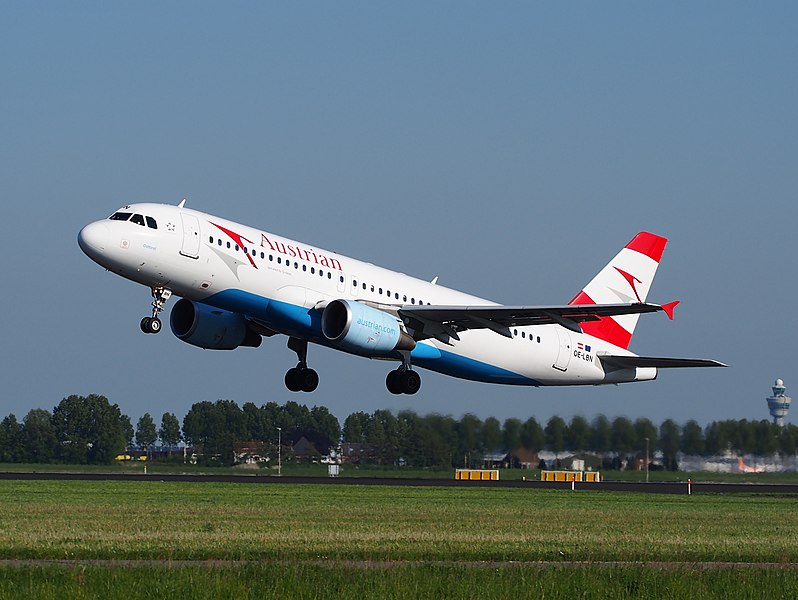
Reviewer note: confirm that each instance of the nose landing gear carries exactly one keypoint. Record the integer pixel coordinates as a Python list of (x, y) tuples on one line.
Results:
[(160, 296)]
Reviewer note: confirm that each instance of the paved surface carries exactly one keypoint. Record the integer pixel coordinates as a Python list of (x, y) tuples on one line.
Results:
[(615, 486)]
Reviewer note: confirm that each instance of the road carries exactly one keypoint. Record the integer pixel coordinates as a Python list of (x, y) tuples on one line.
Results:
[(614, 486)]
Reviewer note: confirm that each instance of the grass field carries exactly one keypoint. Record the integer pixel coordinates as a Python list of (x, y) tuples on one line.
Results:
[(400, 542)]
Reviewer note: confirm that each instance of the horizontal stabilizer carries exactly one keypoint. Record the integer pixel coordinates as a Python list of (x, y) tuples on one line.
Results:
[(631, 362)]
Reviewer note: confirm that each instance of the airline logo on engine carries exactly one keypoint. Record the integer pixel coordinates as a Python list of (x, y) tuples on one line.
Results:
[(378, 328)]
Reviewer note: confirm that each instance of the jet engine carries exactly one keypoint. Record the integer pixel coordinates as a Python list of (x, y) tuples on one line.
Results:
[(211, 328), (362, 329)]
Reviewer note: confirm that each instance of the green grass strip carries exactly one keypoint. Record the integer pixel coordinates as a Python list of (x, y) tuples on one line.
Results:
[(200, 521), (319, 582)]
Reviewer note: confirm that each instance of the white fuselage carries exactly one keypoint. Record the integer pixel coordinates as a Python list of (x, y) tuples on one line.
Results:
[(283, 283)]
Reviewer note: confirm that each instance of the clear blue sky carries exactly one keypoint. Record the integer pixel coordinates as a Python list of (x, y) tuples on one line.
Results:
[(510, 149)]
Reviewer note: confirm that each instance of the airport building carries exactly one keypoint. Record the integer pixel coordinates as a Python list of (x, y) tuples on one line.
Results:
[(779, 403)]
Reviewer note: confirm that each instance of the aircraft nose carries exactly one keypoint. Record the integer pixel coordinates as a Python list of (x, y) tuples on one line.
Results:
[(93, 239)]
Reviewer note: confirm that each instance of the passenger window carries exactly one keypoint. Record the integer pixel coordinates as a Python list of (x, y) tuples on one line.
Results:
[(138, 220), (153, 225)]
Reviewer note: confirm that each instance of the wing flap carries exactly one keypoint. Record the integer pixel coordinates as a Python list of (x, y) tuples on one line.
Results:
[(434, 321)]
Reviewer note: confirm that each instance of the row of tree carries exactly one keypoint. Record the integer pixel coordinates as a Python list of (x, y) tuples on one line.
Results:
[(92, 430), (438, 438)]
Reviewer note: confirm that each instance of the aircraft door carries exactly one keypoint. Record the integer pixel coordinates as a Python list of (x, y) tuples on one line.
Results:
[(564, 349), (191, 236)]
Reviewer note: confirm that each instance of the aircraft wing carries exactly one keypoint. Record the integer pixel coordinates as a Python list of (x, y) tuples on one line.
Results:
[(443, 322), (631, 362)]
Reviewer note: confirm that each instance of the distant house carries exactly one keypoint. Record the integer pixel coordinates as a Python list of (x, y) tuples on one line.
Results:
[(494, 460), (305, 451), (251, 452), (521, 458), (352, 453), (581, 462)]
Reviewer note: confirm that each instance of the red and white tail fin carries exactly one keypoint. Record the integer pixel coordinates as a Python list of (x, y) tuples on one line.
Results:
[(627, 278)]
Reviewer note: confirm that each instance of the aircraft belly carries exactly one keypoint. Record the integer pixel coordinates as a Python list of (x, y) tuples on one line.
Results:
[(485, 356)]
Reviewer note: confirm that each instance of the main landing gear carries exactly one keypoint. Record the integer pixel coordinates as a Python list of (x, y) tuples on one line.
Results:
[(152, 324), (403, 380), (301, 378)]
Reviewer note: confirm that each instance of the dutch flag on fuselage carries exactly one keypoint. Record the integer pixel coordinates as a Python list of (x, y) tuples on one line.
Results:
[(626, 278)]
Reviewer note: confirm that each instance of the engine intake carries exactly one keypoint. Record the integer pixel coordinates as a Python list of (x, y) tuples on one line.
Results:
[(360, 328), (211, 328)]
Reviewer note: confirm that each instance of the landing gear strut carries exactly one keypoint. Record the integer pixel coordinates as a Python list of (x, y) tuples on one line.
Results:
[(403, 380), (301, 378), (152, 324)]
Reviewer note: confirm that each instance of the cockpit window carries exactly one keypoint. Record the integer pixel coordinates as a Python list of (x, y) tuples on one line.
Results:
[(144, 221)]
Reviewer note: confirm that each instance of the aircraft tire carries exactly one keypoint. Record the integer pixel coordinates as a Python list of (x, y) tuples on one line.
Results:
[(410, 382), (150, 325), (392, 382), (293, 380), (309, 380)]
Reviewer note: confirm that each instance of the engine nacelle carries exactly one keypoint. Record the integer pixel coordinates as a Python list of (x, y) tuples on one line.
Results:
[(210, 328), (362, 329)]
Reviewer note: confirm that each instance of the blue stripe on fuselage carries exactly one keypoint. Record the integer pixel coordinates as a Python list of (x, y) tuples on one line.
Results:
[(299, 321), (463, 367)]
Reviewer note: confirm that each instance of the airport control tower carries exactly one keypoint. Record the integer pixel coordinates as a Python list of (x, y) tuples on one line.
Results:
[(779, 403)]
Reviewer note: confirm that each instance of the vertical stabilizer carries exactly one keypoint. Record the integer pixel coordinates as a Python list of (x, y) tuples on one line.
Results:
[(627, 278)]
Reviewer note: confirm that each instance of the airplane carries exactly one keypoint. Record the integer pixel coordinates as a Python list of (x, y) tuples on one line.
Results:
[(238, 284)]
